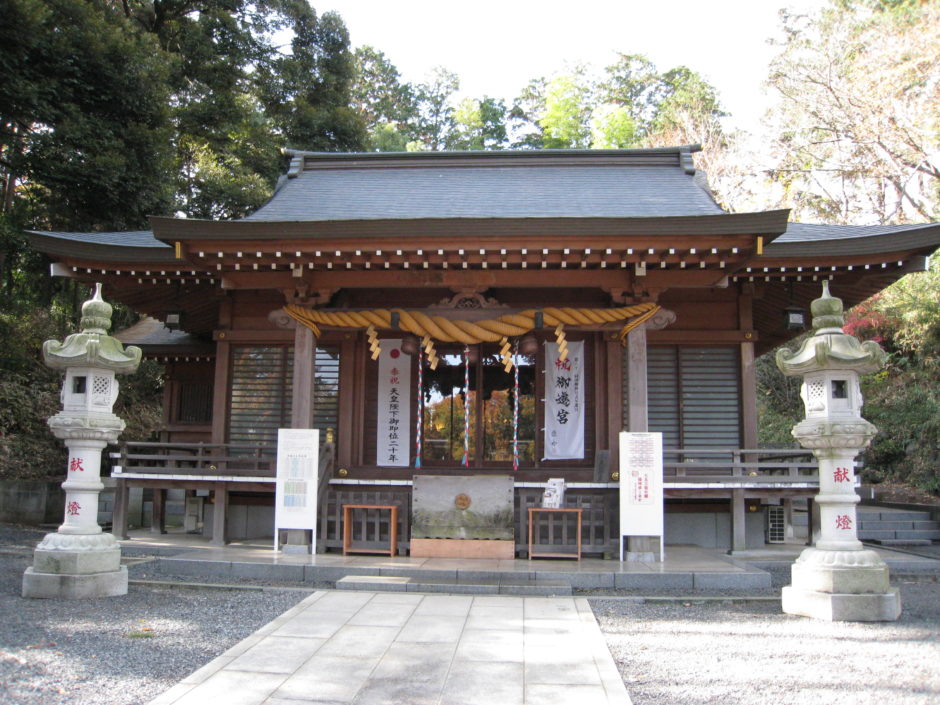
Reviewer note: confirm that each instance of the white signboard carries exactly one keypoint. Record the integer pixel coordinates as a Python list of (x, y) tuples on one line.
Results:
[(393, 440), (564, 402), (295, 497), (641, 486)]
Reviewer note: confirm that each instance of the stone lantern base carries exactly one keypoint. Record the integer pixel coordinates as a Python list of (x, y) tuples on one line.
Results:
[(72, 566), (841, 586)]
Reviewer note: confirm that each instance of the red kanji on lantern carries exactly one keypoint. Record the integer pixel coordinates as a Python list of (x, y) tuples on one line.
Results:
[(73, 508), (76, 464), (843, 521), (841, 475)]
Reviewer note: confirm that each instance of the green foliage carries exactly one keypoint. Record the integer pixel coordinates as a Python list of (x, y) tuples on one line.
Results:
[(779, 406), (632, 105), (384, 103), (83, 119), (478, 124), (435, 120), (904, 403), (612, 127), (565, 122)]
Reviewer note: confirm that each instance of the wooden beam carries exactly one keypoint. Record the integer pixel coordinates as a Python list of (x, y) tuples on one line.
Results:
[(427, 278), (698, 336)]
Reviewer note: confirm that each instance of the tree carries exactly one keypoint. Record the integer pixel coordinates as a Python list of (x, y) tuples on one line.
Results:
[(435, 121), (479, 124), (857, 118), (384, 103), (566, 121), (612, 127), (634, 83)]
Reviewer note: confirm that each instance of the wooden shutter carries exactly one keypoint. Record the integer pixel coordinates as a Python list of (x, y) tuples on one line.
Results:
[(260, 401), (326, 389), (694, 396), (663, 405), (711, 397)]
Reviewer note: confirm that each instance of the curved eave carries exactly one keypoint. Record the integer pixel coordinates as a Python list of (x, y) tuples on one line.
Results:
[(769, 224), (57, 246), (923, 239)]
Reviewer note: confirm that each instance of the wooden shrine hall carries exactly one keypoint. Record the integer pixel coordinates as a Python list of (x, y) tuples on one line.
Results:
[(464, 316)]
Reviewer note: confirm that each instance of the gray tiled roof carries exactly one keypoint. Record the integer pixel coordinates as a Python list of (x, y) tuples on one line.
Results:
[(802, 239), (151, 335), (809, 232), (129, 238), (433, 191)]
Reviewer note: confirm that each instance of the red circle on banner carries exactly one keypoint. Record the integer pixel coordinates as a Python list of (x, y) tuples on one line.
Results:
[(395, 353)]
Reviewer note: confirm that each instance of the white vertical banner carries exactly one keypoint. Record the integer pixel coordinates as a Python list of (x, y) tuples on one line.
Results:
[(393, 440), (295, 494), (641, 486), (564, 402)]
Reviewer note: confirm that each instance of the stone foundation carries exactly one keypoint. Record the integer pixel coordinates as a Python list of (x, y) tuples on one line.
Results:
[(70, 587), (462, 548)]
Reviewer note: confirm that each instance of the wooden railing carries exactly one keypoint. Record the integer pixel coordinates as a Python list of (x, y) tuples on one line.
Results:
[(763, 465), (212, 459), (204, 459)]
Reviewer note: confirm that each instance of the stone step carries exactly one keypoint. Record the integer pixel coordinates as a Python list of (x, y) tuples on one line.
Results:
[(931, 534), (874, 535), (479, 586), (905, 542), (865, 514), (881, 525)]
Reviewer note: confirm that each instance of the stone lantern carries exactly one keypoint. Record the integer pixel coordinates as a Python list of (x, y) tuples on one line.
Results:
[(80, 560), (836, 579)]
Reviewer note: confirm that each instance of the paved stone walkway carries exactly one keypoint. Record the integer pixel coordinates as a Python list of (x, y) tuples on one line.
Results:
[(413, 649)]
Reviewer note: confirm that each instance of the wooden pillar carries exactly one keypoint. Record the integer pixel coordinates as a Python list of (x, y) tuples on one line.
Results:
[(119, 515), (738, 519), (637, 396), (748, 370), (158, 511), (748, 412), (305, 353), (220, 388), (350, 383), (614, 401), (219, 510), (302, 397), (748, 397)]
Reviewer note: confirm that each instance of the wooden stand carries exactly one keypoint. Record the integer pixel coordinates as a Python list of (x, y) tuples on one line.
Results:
[(392, 529), (533, 512)]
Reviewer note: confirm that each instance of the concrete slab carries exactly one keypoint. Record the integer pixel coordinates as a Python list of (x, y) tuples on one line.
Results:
[(415, 649)]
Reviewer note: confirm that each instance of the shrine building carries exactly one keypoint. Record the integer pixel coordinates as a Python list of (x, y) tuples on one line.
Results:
[(477, 315)]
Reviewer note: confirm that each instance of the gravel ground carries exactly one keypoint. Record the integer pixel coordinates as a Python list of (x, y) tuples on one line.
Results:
[(670, 651), (691, 652), (118, 650)]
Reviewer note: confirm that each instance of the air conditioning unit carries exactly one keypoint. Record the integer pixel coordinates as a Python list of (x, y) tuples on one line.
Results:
[(776, 529)]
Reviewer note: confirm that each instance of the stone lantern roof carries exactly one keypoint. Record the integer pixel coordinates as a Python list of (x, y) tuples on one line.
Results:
[(829, 348), (92, 346)]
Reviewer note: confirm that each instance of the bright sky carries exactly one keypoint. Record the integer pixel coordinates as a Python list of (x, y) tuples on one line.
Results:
[(496, 47)]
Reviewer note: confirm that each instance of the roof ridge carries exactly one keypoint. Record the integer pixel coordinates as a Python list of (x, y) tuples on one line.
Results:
[(680, 156)]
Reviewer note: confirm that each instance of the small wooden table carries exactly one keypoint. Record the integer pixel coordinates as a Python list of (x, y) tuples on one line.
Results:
[(533, 512), (393, 528)]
